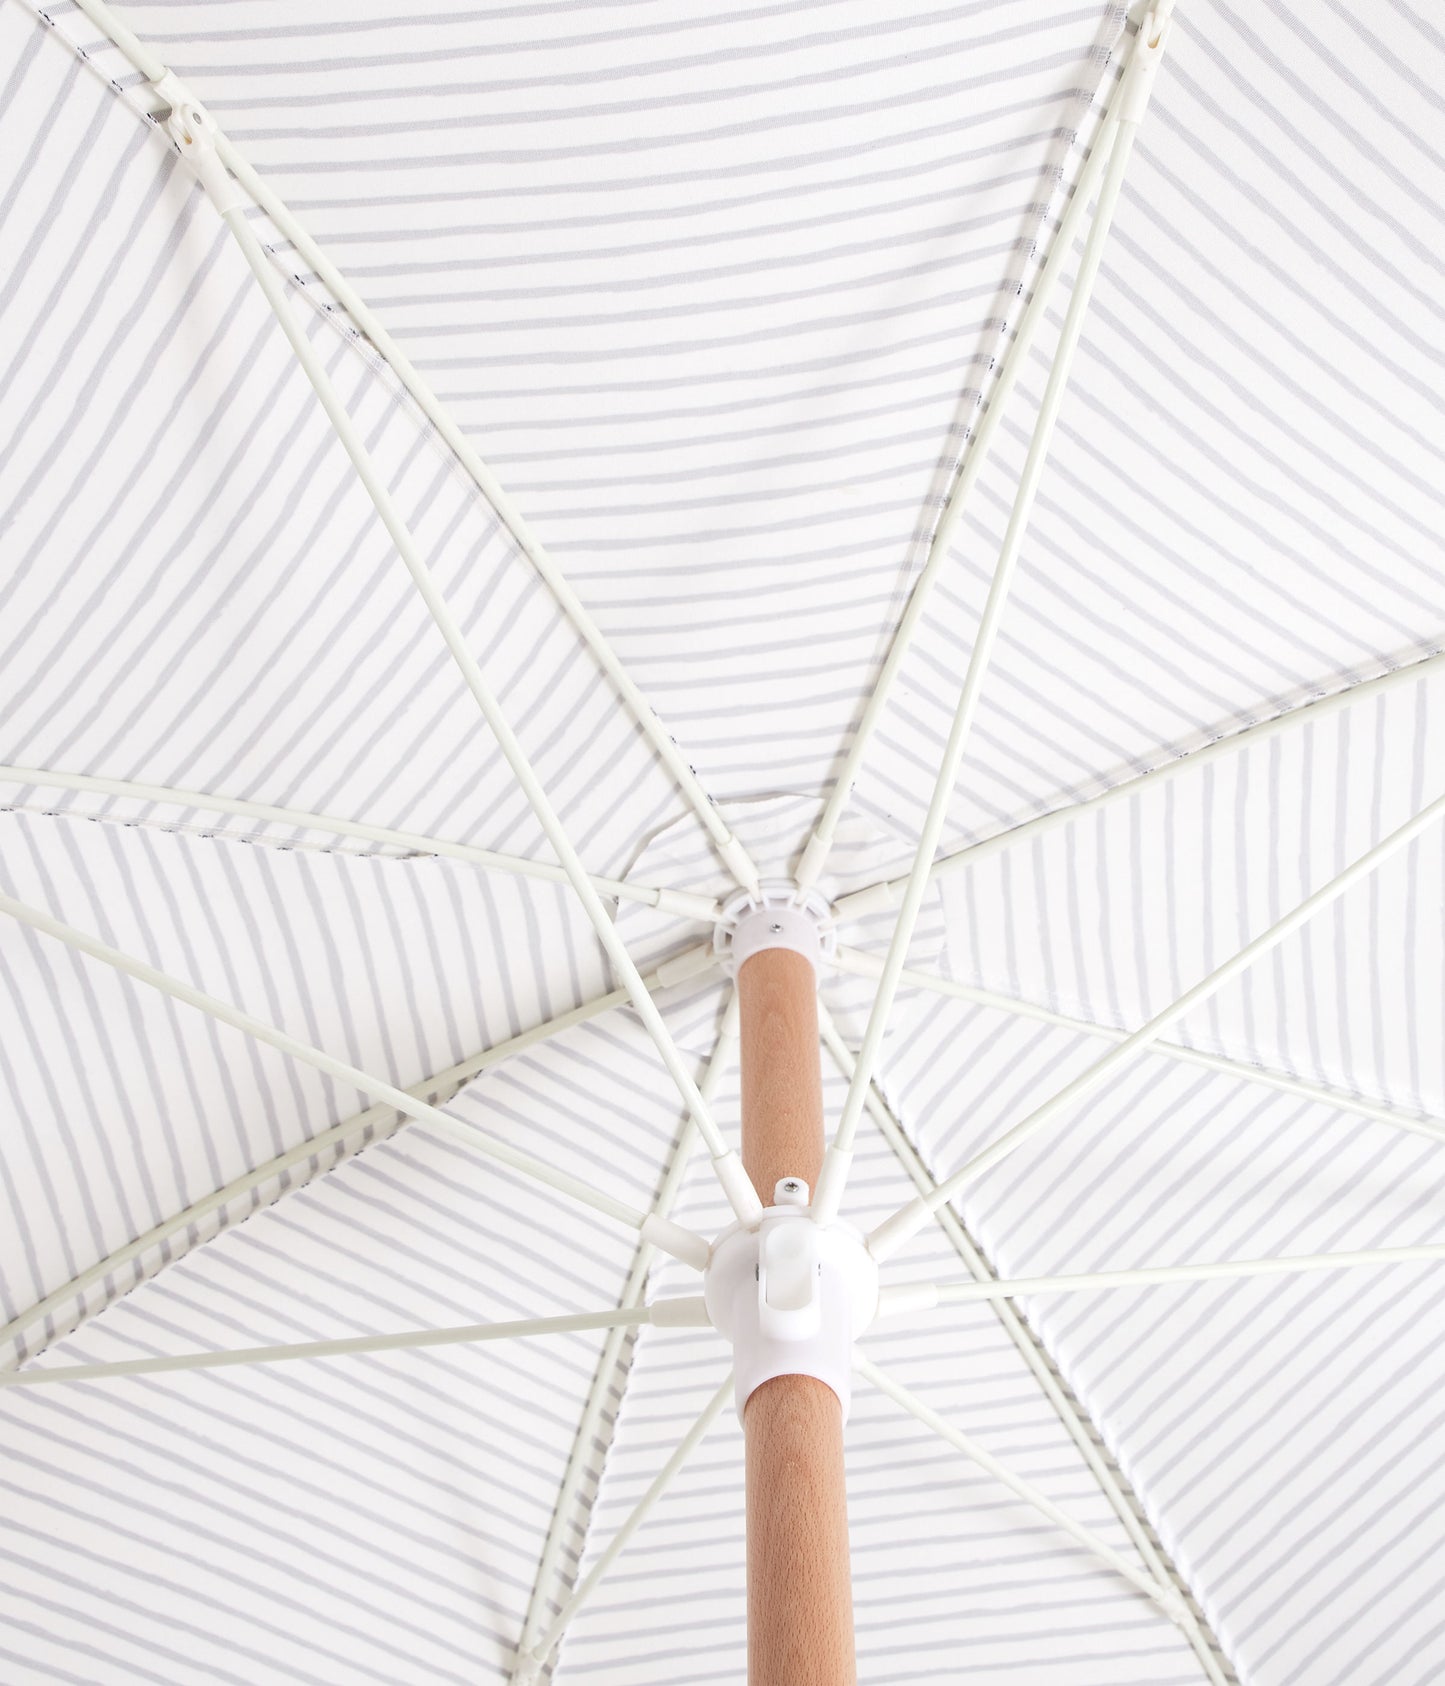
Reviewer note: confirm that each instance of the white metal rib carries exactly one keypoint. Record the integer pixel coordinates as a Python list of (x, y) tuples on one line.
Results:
[(1077, 1424), (729, 847), (857, 963), (1161, 1594), (614, 1351), (1319, 708), (467, 1334), (681, 902), (441, 1086), (894, 1231)]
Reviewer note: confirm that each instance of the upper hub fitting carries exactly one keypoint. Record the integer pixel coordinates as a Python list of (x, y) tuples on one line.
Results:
[(780, 915)]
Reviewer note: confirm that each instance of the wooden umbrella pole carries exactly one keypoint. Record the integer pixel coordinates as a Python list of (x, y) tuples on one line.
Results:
[(800, 1593)]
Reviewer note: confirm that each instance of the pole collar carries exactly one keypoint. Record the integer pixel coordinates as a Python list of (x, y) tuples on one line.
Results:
[(778, 915), (791, 1296)]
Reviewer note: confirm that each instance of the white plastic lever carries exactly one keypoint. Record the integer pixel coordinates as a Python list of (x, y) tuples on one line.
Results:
[(789, 1305), (791, 1295)]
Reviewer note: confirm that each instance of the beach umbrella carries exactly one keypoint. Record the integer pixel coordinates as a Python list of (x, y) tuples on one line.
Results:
[(722, 943)]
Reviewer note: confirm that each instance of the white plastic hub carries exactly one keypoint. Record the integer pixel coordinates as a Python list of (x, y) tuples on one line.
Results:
[(791, 1295), (779, 915)]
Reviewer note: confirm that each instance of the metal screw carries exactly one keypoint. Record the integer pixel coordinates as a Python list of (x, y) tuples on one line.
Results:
[(775, 929)]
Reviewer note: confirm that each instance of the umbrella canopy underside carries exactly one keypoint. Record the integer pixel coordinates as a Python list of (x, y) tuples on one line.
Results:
[(721, 295)]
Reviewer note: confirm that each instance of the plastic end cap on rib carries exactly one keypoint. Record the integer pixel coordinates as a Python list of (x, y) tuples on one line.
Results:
[(904, 1299), (877, 898), (688, 904), (527, 1670), (194, 132), (684, 1244), (897, 1231), (682, 968), (811, 862), (683, 1311), (1144, 61), (739, 862), (837, 1162), (738, 1186)]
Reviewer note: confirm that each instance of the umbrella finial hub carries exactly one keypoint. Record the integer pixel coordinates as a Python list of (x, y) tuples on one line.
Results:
[(777, 915)]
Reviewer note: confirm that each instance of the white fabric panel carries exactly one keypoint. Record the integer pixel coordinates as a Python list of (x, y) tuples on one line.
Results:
[(204, 596), (1244, 498), (1286, 1433), (716, 293), (1282, 1434), (1265, 1426), (126, 1107), (1111, 918)]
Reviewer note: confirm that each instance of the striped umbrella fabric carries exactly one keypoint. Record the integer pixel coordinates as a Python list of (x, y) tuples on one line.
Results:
[(743, 386)]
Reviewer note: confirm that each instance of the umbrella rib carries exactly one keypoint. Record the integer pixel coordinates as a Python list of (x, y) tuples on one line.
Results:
[(610, 1363), (684, 903), (923, 1296), (729, 847), (672, 1237), (466, 1334), (1080, 1429), (739, 1190), (1166, 1597), (1121, 127), (531, 1660), (857, 963), (336, 1135), (895, 1231), (889, 891), (970, 467)]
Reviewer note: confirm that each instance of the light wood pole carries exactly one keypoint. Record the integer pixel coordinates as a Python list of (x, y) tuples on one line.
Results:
[(800, 1592)]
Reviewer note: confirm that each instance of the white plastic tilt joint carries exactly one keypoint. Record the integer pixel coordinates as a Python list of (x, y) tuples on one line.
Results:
[(779, 915), (1144, 61), (194, 131), (791, 1296)]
